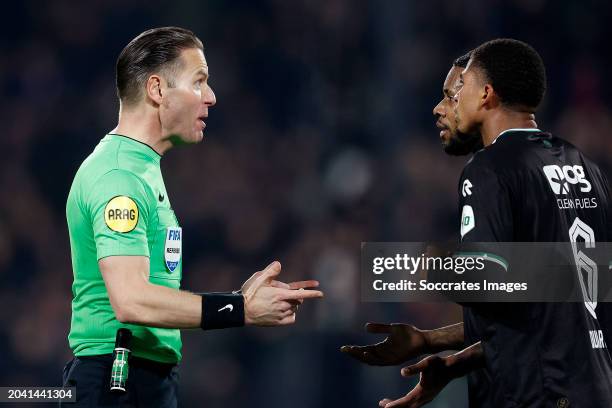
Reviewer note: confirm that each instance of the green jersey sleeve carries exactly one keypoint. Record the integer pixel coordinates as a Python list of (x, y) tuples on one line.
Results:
[(118, 206)]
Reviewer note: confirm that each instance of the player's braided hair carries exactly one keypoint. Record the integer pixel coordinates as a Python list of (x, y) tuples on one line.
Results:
[(154, 51), (515, 70)]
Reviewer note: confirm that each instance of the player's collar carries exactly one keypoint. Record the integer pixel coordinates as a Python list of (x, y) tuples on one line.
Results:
[(516, 130)]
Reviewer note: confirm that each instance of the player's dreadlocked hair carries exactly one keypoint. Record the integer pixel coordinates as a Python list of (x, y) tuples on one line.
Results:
[(462, 61), (154, 51), (515, 70)]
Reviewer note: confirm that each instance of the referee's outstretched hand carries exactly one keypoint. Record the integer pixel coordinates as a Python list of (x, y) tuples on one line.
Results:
[(269, 302)]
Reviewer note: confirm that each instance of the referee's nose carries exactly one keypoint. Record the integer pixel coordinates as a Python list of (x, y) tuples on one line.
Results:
[(208, 96)]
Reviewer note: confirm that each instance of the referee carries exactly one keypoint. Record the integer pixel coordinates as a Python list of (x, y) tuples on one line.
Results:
[(126, 241)]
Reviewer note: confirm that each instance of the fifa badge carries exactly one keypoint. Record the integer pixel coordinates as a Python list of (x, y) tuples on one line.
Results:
[(173, 247)]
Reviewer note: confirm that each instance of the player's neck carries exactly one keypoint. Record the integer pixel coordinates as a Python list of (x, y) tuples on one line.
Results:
[(139, 124), (504, 119)]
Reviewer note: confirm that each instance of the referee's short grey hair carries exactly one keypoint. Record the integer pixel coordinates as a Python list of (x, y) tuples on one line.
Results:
[(153, 51)]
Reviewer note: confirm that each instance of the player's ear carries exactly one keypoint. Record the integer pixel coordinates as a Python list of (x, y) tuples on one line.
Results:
[(154, 88), (489, 98)]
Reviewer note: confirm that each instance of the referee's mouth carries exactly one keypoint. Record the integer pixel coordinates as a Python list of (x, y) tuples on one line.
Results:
[(202, 122)]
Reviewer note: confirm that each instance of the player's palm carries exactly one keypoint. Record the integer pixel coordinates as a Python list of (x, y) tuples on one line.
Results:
[(435, 374), (403, 343)]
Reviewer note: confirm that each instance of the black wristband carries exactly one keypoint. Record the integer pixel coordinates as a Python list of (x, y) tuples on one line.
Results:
[(222, 310)]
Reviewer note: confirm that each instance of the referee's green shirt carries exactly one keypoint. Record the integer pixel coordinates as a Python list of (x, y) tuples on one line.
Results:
[(118, 205)]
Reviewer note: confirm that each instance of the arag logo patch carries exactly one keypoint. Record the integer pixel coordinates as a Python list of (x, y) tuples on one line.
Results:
[(560, 178), (121, 214)]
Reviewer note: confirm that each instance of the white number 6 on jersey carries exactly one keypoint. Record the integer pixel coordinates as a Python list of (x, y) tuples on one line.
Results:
[(585, 264)]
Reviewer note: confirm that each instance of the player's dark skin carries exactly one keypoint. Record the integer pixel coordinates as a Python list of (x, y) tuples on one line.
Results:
[(435, 373), (405, 342), (478, 109), (454, 142)]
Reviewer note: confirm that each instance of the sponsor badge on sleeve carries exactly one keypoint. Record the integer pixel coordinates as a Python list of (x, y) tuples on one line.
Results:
[(121, 214), (468, 221)]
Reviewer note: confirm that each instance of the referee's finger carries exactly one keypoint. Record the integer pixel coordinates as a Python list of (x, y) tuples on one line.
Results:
[(288, 320), (304, 284), (284, 305), (279, 284), (296, 302), (267, 275), (272, 270), (300, 294)]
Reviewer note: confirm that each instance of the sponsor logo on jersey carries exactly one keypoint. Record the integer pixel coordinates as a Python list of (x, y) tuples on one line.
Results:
[(597, 339), (121, 214), (172, 249), (466, 189), (580, 203), (468, 222), (560, 178)]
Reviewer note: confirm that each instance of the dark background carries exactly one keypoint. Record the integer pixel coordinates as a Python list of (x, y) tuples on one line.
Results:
[(322, 138)]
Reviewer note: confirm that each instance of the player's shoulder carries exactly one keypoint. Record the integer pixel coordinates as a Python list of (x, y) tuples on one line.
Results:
[(483, 164), (515, 150)]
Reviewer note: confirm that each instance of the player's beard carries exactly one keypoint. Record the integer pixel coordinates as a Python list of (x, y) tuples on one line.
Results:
[(462, 144)]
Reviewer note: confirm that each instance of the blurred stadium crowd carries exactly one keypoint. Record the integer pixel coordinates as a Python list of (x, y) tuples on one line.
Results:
[(322, 138)]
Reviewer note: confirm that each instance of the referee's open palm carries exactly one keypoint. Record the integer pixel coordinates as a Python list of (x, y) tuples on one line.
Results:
[(269, 302)]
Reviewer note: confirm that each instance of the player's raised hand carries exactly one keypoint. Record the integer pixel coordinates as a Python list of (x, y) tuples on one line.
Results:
[(435, 373), (269, 302), (403, 343)]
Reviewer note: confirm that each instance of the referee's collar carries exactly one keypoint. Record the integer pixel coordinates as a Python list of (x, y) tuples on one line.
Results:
[(516, 130), (143, 147)]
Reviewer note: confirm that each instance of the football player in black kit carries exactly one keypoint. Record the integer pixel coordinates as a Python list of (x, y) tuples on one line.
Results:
[(524, 186)]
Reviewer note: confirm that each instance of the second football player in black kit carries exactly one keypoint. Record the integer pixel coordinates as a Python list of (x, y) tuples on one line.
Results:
[(530, 186), (525, 185)]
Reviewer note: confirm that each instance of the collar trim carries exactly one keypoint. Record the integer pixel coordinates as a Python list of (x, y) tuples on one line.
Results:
[(152, 150), (516, 130)]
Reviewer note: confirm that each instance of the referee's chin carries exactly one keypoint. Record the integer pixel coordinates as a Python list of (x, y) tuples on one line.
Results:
[(193, 138), (196, 137)]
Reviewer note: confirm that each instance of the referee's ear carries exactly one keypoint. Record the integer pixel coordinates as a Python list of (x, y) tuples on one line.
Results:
[(154, 91)]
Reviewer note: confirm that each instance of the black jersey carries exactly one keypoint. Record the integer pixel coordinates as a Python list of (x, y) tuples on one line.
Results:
[(529, 186)]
